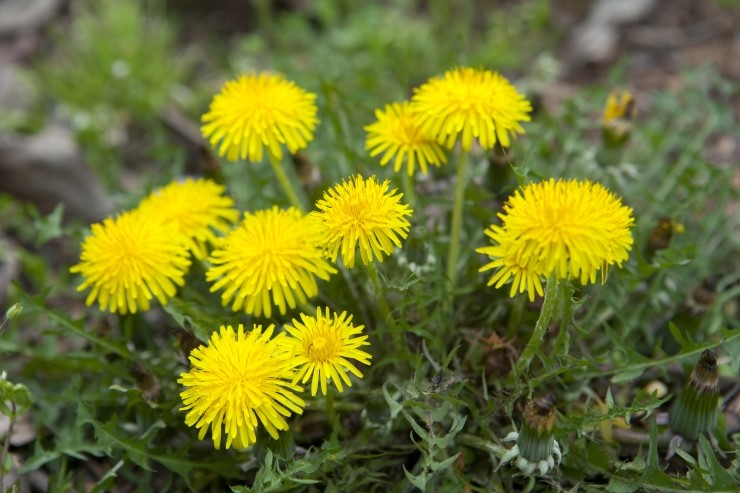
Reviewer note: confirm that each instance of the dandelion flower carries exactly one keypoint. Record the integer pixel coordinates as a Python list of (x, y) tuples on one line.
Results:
[(272, 257), (565, 228), (260, 111), (237, 382), (395, 134), (321, 347), (511, 264), (196, 207), (618, 118), (130, 259), (619, 104), (362, 212), (470, 103)]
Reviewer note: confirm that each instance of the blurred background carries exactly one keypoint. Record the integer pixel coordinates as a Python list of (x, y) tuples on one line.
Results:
[(114, 87)]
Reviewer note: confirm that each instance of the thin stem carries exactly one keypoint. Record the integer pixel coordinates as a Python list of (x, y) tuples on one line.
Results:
[(6, 445), (385, 310), (285, 183), (331, 412), (564, 302), (543, 322), (407, 183), (456, 229)]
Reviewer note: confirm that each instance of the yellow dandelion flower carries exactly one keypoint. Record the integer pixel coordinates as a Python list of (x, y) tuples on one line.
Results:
[(362, 212), (260, 111), (272, 257), (619, 104), (196, 207), (470, 103), (618, 118), (322, 346), (395, 134), (566, 228), (237, 382), (511, 264), (130, 259)]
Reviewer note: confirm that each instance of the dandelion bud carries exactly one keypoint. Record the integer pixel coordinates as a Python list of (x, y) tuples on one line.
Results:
[(695, 410), (660, 236), (536, 448), (146, 382), (618, 119), (13, 311)]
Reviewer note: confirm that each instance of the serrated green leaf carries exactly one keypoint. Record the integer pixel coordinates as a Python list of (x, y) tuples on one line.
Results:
[(424, 434), (685, 456), (106, 482), (393, 405), (77, 327), (721, 479), (653, 475), (457, 424), (444, 464), (597, 458), (111, 437), (618, 485), (679, 336), (449, 357), (419, 481), (628, 375), (48, 227)]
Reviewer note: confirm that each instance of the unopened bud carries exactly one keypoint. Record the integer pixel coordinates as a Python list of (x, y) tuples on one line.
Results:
[(536, 448), (618, 118), (695, 410), (14, 311)]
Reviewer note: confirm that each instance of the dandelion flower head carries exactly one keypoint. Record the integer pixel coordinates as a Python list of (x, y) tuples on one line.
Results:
[(619, 104), (565, 228), (271, 258), (470, 103), (238, 381), (322, 347), (260, 111), (396, 136), (131, 259), (365, 213), (198, 207)]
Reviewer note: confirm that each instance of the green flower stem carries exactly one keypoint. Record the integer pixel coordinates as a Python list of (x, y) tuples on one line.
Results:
[(6, 443), (456, 229), (285, 183), (543, 322), (331, 412), (385, 309), (479, 443), (564, 302), (407, 183)]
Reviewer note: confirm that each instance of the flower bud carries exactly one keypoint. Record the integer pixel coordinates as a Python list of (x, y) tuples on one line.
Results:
[(618, 118), (535, 447), (14, 311), (695, 410)]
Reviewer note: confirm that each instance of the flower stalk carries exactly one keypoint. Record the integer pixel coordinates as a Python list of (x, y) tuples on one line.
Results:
[(285, 184), (540, 328), (457, 219)]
